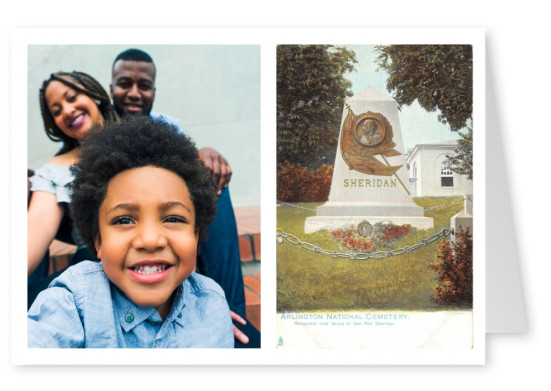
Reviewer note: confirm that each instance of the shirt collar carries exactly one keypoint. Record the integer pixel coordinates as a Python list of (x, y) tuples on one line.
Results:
[(178, 305), (130, 314)]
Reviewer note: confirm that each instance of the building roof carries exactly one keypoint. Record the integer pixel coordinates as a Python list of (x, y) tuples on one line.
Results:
[(446, 144)]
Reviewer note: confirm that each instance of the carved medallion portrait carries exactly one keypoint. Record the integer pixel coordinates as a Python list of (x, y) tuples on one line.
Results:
[(369, 132), (363, 137)]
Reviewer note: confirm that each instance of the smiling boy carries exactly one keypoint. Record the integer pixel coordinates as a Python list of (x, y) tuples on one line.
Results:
[(147, 239), (142, 204)]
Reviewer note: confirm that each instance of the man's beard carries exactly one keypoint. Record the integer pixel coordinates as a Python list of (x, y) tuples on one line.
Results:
[(119, 108)]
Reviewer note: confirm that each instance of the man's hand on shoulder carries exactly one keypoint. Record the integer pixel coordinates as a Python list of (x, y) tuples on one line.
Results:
[(218, 165)]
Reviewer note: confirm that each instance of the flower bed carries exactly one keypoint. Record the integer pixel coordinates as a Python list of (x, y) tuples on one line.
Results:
[(382, 236)]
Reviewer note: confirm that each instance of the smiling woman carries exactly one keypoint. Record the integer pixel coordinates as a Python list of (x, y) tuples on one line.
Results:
[(74, 113), (72, 104), (84, 87)]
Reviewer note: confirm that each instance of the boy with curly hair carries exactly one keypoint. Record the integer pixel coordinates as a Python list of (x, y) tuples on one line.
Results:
[(141, 199)]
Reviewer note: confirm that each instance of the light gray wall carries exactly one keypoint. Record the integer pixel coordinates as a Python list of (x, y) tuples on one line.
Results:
[(213, 89)]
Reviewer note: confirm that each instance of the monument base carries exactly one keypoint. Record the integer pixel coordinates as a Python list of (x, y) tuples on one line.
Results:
[(370, 209), (319, 223)]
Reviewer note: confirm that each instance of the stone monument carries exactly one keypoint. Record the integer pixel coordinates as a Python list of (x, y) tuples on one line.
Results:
[(463, 219), (370, 179)]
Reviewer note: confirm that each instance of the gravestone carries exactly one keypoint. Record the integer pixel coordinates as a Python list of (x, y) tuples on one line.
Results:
[(370, 180), (463, 219)]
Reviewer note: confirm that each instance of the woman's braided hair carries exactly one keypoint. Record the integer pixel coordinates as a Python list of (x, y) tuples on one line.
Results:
[(85, 84)]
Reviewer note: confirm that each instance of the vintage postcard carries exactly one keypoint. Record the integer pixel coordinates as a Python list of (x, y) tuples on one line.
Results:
[(375, 192)]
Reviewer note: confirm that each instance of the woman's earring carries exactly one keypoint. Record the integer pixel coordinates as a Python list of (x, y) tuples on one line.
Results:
[(98, 102)]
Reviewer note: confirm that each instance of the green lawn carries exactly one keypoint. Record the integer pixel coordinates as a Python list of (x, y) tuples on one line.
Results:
[(307, 281)]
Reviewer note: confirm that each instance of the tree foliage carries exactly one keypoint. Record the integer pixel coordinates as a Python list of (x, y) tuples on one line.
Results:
[(311, 91), (462, 161), (439, 77)]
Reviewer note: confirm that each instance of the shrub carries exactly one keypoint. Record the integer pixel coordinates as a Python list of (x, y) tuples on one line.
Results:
[(455, 269), (298, 184)]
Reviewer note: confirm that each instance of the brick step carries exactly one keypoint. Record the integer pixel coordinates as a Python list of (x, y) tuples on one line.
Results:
[(248, 230), (249, 247), (248, 219), (60, 255), (252, 298)]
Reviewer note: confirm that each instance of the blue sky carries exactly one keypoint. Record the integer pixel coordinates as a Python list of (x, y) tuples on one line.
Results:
[(418, 125)]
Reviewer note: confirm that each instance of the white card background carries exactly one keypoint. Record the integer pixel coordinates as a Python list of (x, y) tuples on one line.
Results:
[(505, 311), (518, 60), (268, 38)]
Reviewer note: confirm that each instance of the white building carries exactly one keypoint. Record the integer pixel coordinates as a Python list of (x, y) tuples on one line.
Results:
[(430, 174)]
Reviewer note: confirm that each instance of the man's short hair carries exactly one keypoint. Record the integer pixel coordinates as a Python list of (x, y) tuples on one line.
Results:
[(133, 55), (136, 141)]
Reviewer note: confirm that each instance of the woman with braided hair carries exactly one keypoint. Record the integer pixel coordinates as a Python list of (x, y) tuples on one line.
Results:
[(71, 104)]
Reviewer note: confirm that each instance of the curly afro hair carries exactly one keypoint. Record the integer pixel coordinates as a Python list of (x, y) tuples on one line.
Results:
[(134, 142)]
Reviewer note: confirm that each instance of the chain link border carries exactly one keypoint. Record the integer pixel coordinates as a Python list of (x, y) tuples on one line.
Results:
[(362, 256)]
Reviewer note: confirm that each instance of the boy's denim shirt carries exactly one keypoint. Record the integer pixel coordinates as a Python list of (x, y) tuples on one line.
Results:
[(82, 309)]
